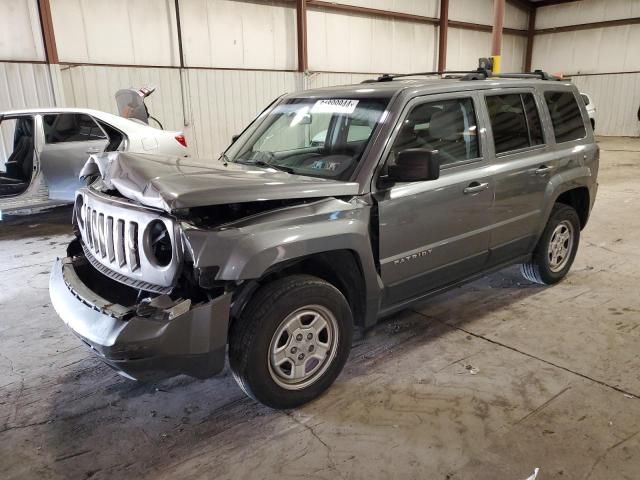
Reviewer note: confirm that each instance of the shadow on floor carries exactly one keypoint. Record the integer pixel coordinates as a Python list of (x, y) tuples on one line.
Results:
[(56, 221), (133, 426)]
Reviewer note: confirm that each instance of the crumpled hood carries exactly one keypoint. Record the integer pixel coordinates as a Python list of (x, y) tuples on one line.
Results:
[(170, 183)]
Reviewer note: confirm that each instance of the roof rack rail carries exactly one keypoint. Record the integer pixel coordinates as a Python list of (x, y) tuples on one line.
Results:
[(386, 77), (478, 74), (535, 74)]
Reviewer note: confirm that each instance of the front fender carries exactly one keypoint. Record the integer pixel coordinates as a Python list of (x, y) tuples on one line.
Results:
[(247, 249)]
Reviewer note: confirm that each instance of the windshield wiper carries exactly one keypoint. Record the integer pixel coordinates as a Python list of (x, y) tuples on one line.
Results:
[(282, 168)]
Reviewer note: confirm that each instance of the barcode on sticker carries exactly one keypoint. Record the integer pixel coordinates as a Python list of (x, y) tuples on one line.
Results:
[(335, 105)]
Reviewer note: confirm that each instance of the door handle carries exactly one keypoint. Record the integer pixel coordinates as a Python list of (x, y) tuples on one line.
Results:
[(475, 187), (543, 170), (93, 150)]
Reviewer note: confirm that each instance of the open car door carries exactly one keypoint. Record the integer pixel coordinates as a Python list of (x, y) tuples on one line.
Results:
[(16, 154), (69, 139)]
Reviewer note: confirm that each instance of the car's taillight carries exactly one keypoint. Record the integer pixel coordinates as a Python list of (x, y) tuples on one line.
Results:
[(181, 140)]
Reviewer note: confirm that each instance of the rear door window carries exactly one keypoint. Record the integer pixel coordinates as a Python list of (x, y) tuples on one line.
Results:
[(71, 127), (565, 116), (515, 121)]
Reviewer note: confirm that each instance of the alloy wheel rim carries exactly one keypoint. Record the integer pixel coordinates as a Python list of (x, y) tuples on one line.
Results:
[(560, 246), (303, 347)]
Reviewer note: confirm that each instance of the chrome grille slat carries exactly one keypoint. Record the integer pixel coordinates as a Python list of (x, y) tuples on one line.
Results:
[(120, 256), (94, 231), (109, 234), (88, 227), (101, 239), (133, 257), (113, 234)]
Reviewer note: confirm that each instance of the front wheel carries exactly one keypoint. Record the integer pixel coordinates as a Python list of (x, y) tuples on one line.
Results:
[(291, 341), (556, 249)]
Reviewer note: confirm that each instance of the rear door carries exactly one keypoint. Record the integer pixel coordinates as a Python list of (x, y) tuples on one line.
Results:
[(433, 233), (69, 140), (523, 162)]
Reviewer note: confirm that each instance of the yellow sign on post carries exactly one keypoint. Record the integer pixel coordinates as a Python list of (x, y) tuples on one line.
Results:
[(496, 63)]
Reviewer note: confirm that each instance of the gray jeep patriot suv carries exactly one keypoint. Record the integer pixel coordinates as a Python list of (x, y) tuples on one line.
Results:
[(334, 208)]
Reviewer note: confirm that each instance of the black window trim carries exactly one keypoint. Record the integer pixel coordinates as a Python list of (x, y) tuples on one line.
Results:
[(519, 91), (552, 129), (95, 120), (431, 98)]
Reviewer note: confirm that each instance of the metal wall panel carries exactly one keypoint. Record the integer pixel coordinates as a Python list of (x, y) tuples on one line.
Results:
[(20, 34), (617, 99), (95, 87), (586, 11), (362, 43), (130, 32), (238, 34), (218, 103), (481, 11), (23, 85), (321, 79), (611, 49), (464, 47), (223, 102)]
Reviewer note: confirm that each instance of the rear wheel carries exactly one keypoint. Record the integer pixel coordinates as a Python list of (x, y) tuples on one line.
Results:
[(556, 249), (291, 341)]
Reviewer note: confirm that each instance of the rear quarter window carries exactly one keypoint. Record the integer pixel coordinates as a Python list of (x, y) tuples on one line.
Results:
[(565, 116)]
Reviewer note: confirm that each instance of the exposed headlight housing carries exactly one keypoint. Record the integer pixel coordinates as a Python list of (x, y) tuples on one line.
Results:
[(158, 240)]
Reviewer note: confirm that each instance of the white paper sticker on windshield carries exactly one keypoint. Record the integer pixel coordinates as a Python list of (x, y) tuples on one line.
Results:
[(335, 105)]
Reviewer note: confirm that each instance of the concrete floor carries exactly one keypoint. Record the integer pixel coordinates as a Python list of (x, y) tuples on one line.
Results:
[(486, 382)]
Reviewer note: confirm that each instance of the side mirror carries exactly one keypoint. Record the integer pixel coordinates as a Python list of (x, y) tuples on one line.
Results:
[(234, 138), (415, 165)]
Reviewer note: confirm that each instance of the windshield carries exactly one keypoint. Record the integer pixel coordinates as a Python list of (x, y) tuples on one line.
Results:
[(311, 136)]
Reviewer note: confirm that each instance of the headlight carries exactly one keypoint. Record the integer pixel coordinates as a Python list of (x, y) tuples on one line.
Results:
[(158, 240)]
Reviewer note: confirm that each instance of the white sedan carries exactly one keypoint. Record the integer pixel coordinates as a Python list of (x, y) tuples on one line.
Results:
[(43, 150), (591, 108)]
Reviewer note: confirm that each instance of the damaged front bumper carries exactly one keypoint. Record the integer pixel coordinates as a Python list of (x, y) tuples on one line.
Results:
[(191, 342)]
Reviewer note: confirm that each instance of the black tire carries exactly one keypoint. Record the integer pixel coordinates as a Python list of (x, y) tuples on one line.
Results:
[(250, 338), (539, 269)]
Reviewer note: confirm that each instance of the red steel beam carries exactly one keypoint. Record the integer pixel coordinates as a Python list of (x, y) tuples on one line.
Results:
[(589, 26), (442, 35), (48, 36), (548, 3), (498, 25), (374, 12), (301, 17), (531, 34), (484, 28)]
